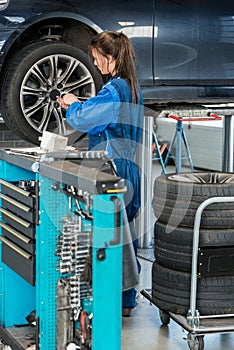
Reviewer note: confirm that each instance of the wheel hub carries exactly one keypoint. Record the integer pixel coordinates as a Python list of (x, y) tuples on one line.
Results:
[(53, 94)]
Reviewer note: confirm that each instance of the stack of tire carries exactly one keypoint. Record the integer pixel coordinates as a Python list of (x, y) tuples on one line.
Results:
[(176, 199)]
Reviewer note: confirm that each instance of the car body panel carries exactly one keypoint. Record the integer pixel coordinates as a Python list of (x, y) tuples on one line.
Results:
[(193, 50), (184, 49), (95, 14), (199, 35)]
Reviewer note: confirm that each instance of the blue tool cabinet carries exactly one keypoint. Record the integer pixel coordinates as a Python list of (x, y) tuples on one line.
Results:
[(48, 236)]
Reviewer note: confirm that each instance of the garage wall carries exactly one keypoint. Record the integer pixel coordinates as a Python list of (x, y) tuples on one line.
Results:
[(9, 140)]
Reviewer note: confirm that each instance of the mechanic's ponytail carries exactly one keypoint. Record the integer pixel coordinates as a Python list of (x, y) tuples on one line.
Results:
[(119, 47)]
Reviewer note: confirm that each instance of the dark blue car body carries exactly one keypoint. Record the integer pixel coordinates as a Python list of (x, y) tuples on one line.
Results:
[(184, 49)]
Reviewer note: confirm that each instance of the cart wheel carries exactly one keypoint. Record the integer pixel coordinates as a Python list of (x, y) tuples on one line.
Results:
[(2, 345), (164, 317), (195, 342)]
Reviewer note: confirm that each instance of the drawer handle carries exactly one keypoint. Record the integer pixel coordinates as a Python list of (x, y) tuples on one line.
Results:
[(15, 233), (15, 248), (15, 218), (15, 203), (14, 188)]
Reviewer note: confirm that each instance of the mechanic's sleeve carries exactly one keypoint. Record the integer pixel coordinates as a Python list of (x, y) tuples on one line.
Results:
[(96, 113)]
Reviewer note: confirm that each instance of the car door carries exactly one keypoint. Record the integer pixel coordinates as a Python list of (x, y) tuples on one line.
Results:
[(135, 19), (194, 42), (137, 24)]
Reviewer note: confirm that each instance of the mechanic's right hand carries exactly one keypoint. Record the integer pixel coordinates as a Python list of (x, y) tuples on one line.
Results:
[(67, 100)]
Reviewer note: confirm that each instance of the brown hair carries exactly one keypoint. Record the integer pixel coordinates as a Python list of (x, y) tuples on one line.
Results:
[(119, 47)]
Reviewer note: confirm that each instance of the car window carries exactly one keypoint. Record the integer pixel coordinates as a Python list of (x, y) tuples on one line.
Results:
[(4, 4)]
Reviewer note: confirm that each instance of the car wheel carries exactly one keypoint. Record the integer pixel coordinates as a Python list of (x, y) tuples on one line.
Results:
[(35, 76), (177, 197), (171, 292)]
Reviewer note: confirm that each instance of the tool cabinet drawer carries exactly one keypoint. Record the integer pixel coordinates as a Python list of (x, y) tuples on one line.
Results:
[(19, 194), (21, 225), (18, 208), (18, 238), (21, 201), (18, 260)]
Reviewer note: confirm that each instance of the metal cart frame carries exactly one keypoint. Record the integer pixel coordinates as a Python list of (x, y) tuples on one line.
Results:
[(197, 326)]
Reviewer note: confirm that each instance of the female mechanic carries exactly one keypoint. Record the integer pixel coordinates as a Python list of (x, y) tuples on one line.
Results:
[(113, 120)]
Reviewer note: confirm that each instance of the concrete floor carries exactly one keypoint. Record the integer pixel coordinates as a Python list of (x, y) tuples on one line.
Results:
[(144, 329)]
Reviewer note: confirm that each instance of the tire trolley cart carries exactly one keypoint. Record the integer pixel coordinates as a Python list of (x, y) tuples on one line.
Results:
[(206, 262)]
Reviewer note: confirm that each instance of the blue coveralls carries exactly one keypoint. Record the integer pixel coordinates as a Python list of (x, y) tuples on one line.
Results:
[(114, 123)]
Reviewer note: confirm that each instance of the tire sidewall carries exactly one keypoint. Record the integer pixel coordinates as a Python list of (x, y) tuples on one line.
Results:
[(176, 201)]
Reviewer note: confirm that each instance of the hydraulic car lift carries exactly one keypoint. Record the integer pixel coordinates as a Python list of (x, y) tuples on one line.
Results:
[(56, 224)]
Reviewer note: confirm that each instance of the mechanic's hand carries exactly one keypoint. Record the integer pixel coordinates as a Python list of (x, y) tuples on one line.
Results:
[(67, 100), (61, 102)]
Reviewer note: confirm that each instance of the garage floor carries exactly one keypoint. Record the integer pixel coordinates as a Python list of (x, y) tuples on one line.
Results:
[(144, 330)]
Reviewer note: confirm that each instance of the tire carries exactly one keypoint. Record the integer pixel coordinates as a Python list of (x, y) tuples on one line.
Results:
[(33, 79), (177, 197), (171, 292), (173, 245)]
